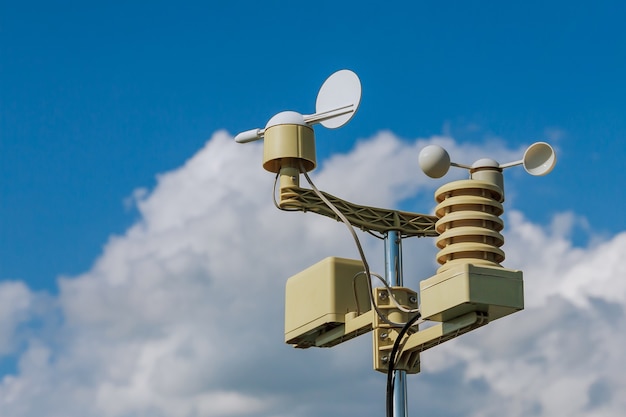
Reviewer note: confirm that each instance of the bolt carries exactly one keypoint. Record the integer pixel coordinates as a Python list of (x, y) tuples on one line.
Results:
[(383, 295), (413, 299), (384, 335), (384, 359)]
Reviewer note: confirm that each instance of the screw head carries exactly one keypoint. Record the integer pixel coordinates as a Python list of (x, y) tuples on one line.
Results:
[(413, 299), (383, 295)]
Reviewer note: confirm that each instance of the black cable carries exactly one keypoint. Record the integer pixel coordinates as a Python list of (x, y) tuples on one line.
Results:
[(376, 235), (392, 362)]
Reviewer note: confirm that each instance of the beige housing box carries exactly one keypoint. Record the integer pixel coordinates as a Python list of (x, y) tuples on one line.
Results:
[(318, 298), (465, 288)]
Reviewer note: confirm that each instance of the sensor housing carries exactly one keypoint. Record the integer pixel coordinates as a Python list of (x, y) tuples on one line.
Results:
[(318, 299)]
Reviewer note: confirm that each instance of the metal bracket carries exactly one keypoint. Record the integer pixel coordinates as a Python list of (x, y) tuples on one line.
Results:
[(385, 334)]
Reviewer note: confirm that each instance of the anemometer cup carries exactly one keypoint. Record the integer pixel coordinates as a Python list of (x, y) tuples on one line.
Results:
[(539, 159), (434, 161)]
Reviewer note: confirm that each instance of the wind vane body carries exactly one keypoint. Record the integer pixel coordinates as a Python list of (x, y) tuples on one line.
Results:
[(334, 300), (337, 101)]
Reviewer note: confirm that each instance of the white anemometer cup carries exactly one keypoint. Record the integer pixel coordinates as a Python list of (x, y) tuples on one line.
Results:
[(539, 159)]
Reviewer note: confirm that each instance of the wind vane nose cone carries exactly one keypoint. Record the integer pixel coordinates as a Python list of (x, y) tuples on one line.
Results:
[(249, 136), (286, 118)]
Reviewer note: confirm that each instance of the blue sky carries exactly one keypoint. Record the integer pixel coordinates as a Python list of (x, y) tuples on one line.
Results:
[(98, 100)]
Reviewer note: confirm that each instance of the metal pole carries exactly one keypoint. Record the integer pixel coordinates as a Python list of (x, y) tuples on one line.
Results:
[(393, 275)]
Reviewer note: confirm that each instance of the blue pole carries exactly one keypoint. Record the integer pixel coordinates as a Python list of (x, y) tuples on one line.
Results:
[(393, 275)]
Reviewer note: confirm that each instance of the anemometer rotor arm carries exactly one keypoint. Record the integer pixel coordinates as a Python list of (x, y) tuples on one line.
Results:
[(454, 164), (539, 159), (512, 164)]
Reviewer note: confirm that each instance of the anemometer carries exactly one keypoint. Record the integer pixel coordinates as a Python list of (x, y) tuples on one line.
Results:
[(334, 300)]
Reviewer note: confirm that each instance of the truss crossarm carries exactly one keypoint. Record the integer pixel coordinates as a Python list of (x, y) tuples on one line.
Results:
[(366, 218)]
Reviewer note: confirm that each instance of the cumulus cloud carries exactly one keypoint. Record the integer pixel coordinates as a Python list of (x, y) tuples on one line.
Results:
[(182, 316), (15, 305)]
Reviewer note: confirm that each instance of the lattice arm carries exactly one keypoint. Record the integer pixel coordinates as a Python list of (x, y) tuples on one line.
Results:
[(366, 218)]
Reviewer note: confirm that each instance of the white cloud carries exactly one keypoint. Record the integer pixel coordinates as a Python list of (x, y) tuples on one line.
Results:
[(15, 305), (183, 315)]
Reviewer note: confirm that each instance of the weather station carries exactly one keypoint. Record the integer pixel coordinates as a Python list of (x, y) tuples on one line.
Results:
[(335, 300)]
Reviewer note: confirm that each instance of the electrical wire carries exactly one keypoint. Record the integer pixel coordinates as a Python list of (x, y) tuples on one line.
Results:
[(354, 291), (392, 362), (357, 242), (394, 300), (345, 220), (274, 195), (376, 235)]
